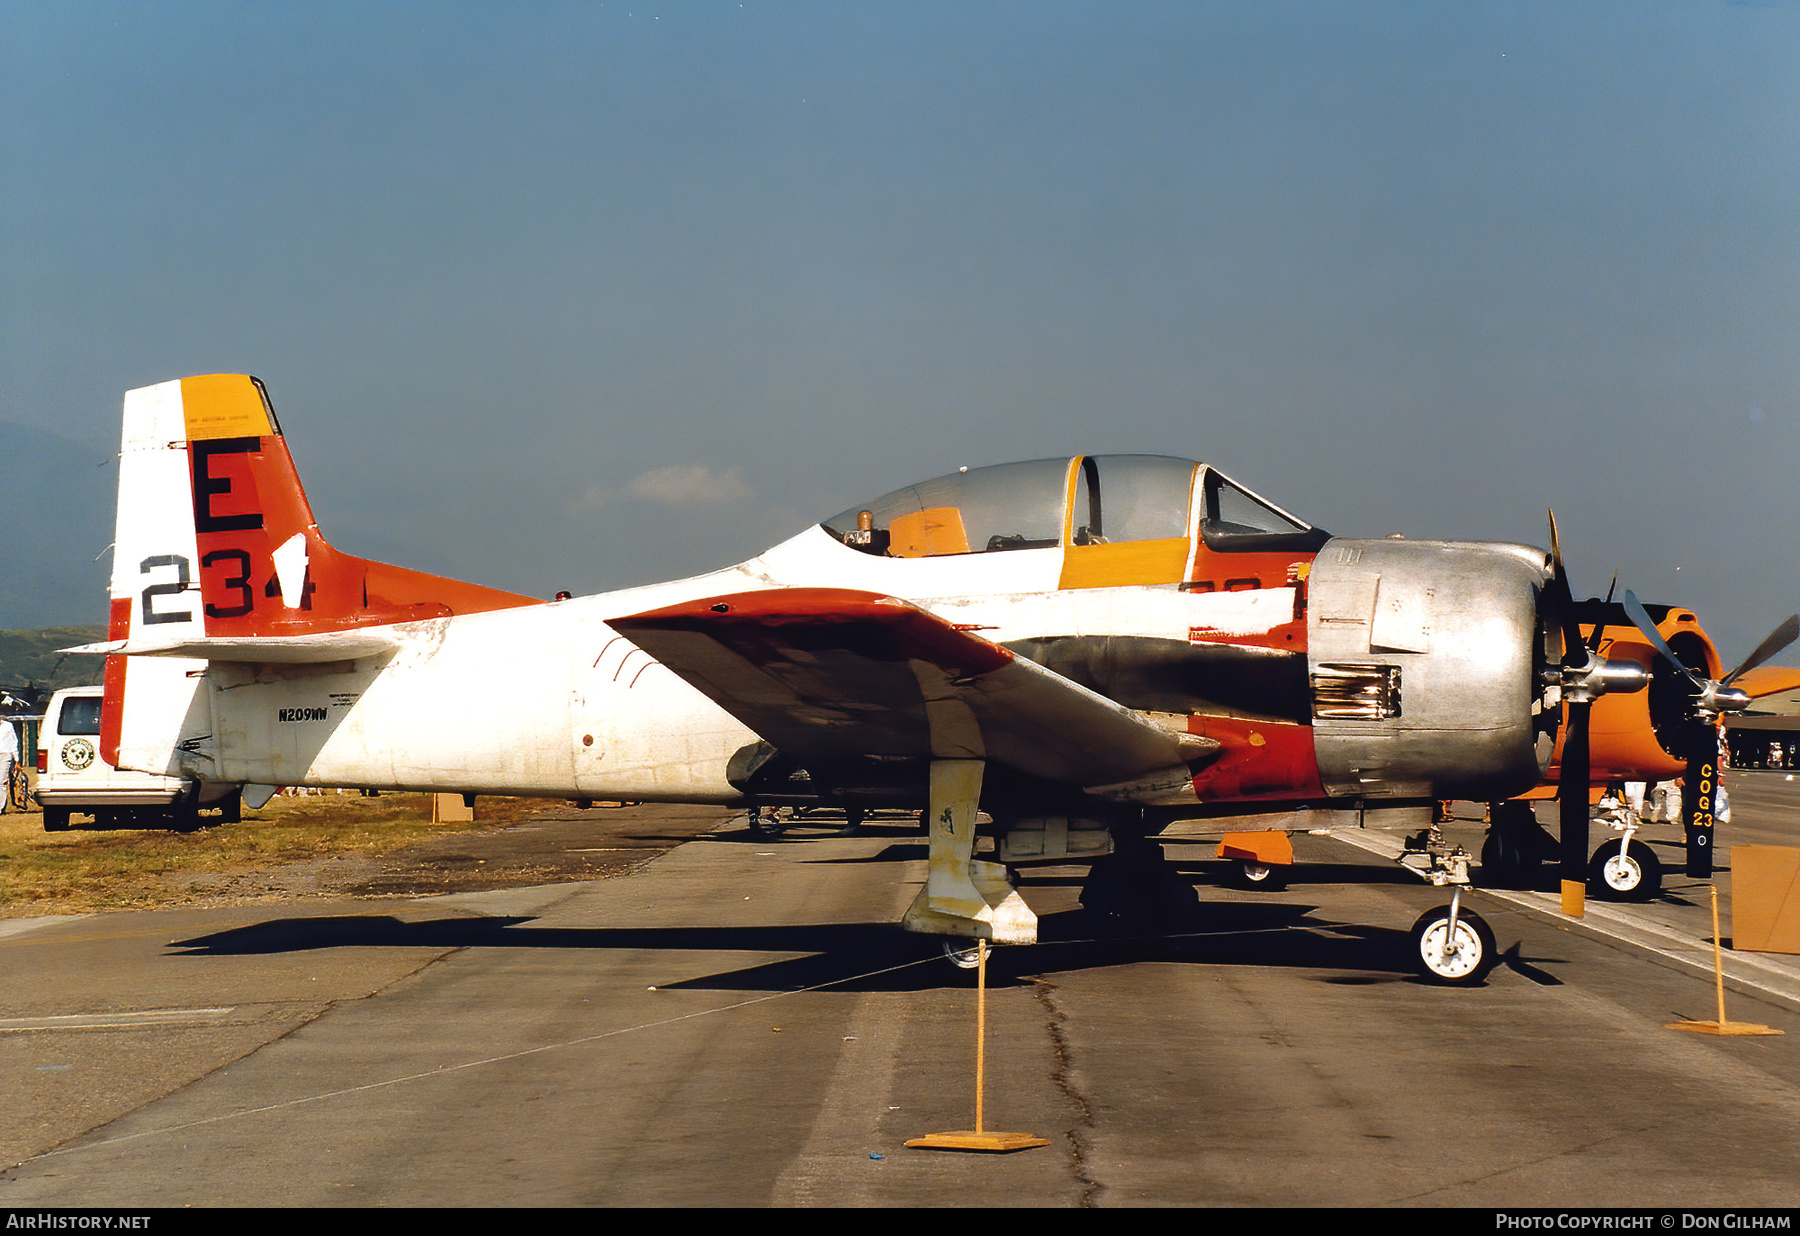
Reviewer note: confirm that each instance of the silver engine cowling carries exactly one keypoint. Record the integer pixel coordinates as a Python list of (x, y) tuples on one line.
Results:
[(1426, 661)]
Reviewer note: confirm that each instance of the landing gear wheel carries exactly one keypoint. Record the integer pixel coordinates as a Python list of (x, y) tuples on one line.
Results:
[(1136, 891), (1634, 875), (1454, 963), (1509, 856), (1503, 865), (1263, 877), (961, 953)]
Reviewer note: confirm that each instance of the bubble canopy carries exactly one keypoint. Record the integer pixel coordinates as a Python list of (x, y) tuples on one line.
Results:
[(1084, 500)]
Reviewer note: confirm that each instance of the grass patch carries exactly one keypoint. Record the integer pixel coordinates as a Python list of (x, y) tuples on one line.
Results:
[(86, 870)]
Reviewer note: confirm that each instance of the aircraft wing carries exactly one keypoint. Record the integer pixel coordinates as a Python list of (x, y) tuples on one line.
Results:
[(829, 675), (1768, 680)]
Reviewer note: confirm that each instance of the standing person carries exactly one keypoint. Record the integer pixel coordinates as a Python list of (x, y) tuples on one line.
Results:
[(9, 759), (1721, 800)]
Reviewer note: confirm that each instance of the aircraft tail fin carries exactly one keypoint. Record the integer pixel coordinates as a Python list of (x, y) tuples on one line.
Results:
[(217, 543)]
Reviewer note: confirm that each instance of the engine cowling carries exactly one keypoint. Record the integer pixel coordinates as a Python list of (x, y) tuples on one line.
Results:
[(1426, 660)]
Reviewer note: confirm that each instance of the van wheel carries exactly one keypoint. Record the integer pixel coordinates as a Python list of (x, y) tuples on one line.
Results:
[(56, 819)]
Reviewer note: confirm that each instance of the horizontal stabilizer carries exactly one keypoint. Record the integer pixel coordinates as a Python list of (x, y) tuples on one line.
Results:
[(284, 649)]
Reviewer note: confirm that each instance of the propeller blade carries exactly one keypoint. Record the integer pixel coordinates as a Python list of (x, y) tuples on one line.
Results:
[(1779, 638), (1634, 609), (1572, 810), (1572, 782), (1565, 601)]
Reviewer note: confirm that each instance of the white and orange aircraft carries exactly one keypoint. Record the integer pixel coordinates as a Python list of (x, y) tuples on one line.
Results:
[(1084, 648)]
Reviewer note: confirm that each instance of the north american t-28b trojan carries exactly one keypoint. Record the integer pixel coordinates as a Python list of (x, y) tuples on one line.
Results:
[(1084, 648)]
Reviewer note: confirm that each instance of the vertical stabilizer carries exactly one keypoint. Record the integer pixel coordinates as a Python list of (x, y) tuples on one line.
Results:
[(215, 539)]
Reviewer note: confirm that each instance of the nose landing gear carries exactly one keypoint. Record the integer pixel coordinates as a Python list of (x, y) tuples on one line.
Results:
[(1625, 870), (1450, 945), (1453, 946)]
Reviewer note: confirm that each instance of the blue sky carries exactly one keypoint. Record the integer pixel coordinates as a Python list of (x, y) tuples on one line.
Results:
[(584, 295)]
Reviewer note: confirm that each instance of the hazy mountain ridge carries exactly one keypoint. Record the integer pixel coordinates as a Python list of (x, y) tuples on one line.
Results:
[(56, 517), (30, 658)]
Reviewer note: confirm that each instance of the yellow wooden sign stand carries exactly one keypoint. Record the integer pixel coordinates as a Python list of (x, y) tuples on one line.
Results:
[(979, 1138)]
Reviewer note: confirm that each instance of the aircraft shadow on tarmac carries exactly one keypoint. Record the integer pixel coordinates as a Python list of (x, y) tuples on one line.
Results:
[(825, 830), (1222, 873), (1201, 871), (878, 957)]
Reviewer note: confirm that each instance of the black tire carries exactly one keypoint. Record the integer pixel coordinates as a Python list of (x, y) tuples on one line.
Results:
[(1127, 897), (1112, 900), (1634, 876), (1508, 861), (56, 819), (1509, 856), (1466, 965)]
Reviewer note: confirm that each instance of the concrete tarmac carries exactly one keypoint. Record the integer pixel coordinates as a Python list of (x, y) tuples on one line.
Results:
[(741, 1022)]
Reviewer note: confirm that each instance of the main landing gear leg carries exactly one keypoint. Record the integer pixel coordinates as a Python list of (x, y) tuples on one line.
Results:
[(964, 897)]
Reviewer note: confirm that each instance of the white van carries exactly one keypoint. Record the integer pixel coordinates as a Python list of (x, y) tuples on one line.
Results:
[(73, 778)]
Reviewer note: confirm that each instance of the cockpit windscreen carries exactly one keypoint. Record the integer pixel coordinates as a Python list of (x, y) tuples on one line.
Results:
[(1117, 498), (981, 510)]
